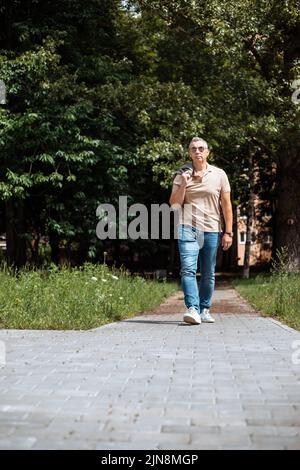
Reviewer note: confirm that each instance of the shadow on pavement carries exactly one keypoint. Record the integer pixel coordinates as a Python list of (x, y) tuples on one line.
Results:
[(170, 322)]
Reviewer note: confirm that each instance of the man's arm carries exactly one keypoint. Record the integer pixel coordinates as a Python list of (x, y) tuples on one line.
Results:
[(227, 210), (227, 213), (178, 192), (177, 196)]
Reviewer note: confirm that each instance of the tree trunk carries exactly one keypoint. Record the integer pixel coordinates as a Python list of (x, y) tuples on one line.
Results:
[(172, 248), (54, 244), (287, 217), (288, 207), (82, 252), (15, 230), (246, 266), (229, 262), (250, 216), (34, 249)]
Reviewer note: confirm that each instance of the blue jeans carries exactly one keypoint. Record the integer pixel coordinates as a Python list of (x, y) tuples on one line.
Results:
[(194, 244)]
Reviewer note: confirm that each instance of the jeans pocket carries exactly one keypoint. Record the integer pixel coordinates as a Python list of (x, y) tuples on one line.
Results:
[(186, 233)]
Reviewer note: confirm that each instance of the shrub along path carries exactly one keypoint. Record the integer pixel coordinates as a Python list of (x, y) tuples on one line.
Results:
[(153, 382)]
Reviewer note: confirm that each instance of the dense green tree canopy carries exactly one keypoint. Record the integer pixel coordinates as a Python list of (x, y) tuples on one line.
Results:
[(104, 96)]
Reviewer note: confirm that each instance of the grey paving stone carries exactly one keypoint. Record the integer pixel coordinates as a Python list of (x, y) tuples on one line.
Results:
[(153, 382), (192, 429), (276, 442), (161, 438), (14, 443)]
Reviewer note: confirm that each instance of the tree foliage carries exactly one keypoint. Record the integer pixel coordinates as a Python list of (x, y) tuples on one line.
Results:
[(104, 96)]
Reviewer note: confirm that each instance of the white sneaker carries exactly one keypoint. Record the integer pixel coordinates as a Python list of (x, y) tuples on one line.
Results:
[(206, 316), (192, 316)]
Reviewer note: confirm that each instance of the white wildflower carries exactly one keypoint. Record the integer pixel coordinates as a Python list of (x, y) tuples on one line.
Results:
[(103, 280), (94, 278), (114, 277)]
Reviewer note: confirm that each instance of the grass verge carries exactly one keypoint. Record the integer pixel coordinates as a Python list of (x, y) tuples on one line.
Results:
[(277, 296), (75, 298)]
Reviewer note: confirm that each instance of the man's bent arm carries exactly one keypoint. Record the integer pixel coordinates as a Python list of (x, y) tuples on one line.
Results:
[(177, 196), (227, 210)]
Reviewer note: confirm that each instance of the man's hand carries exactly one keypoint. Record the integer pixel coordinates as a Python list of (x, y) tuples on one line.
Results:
[(186, 177), (226, 241), (178, 193)]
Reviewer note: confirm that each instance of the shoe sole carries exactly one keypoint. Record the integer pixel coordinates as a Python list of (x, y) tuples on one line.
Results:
[(207, 321), (191, 320)]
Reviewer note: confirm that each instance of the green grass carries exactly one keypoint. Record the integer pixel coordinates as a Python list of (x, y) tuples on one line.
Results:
[(75, 298), (274, 295)]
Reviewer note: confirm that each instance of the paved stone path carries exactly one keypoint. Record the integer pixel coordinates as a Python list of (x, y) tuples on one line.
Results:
[(153, 382)]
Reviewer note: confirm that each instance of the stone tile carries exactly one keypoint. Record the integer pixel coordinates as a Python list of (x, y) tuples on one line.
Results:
[(160, 385)]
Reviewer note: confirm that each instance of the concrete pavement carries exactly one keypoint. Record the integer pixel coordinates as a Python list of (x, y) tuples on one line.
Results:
[(153, 382)]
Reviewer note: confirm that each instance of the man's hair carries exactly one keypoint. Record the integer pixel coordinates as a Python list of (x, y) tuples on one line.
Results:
[(196, 139)]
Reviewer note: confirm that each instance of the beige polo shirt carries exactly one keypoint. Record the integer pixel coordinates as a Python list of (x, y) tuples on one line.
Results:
[(202, 202)]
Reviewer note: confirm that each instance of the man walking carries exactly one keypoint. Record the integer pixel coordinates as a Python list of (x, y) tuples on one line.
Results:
[(201, 192)]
